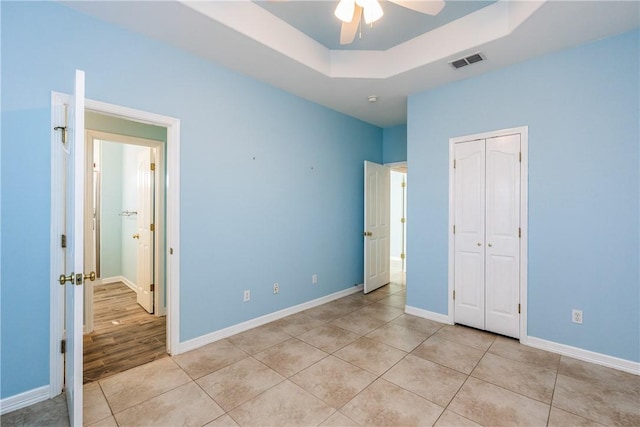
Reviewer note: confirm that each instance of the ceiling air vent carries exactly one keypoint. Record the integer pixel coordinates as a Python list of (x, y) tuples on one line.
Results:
[(463, 62)]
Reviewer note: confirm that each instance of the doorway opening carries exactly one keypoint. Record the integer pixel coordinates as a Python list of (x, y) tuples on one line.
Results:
[(125, 309), (385, 202), (398, 224)]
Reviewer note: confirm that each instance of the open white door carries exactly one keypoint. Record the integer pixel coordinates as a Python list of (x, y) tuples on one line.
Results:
[(145, 234), (74, 256), (376, 221)]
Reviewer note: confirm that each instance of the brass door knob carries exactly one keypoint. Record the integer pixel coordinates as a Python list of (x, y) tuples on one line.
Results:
[(64, 279), (136, 236), (91, 276)]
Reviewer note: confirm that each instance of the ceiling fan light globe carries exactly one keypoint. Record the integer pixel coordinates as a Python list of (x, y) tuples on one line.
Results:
[(372, 11), (344, 10)]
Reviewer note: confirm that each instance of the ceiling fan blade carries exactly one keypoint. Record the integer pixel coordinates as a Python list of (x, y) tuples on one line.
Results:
[(428, 7), (349, 29)]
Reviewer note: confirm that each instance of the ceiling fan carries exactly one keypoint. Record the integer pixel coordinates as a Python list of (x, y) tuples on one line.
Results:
[(351, 12)]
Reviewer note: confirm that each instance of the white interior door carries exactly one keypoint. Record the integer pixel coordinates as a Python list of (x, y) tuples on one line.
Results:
[(469, 219), (502, 235), (74, 255), (144, 234), (377, 180)]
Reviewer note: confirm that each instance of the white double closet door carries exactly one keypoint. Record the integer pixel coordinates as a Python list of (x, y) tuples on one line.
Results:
[(487, 234)]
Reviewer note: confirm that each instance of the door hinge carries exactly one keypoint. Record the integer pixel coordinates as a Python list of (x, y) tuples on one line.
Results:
[(520, 156), (152, 287), (170, 251), (403, 184), (454, 295), (153, 166), (403, 220), (64, 133), (518, 308), (152, 227), (63, 241), (454, 229), (63, 346), (454, 163), (519, 232), (403, 256)]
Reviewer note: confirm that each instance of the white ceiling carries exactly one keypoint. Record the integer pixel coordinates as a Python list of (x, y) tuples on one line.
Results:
[(245, 37)]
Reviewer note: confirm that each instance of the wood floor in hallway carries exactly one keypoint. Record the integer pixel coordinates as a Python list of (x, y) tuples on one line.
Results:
[(124, 335)]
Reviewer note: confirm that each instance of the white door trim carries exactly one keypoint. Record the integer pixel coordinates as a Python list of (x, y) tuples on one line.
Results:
[(524, 203), (56, 254), (172, 254), (394, 165)]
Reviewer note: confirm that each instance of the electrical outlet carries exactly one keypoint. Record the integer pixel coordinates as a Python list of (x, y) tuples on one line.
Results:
[(276, 288), (247, 296), (576, 316), (314, 279)]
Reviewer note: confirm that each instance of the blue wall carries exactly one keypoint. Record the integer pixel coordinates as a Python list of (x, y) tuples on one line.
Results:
[(394, 144), (271, 183), (582, 109)]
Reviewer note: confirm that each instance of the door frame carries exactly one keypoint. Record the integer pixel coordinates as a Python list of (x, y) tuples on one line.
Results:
[(172, 247), (523, 131), (159, 235)]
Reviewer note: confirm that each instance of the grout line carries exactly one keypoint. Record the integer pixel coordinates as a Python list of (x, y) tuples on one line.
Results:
[(553, 393), (454, 397)]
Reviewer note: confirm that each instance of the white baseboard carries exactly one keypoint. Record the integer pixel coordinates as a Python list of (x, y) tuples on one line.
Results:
[(430, 315), (554, 347), (562, 349), (116, 279), (22, 400), (130, 284), (585, 355), (200, 341)]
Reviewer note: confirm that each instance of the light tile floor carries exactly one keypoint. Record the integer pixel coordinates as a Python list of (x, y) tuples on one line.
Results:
[(358, 361)]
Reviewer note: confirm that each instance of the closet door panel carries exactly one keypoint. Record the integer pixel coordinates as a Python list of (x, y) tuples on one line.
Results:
[(469, 205), (502, 235)]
